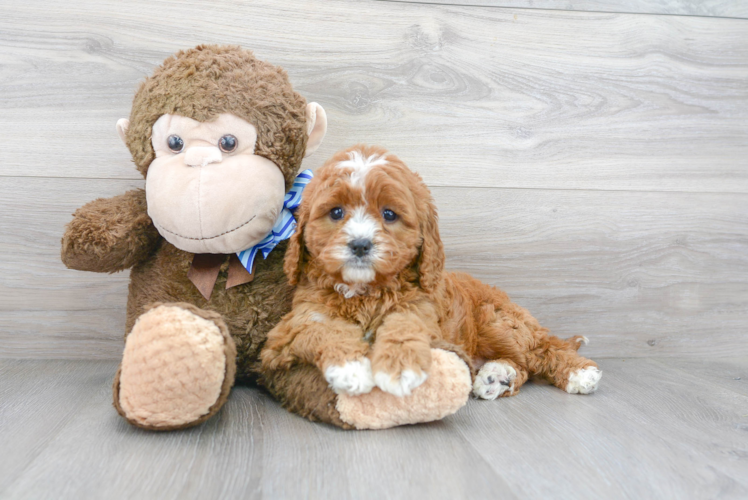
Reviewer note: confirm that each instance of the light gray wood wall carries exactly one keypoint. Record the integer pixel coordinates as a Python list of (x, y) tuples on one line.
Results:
[(710, 8), (594, 165)]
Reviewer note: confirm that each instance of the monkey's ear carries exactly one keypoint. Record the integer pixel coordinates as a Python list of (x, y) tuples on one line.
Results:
[(316, 127), (122, 125)]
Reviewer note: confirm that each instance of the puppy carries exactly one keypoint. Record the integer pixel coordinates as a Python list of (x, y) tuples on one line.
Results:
[(373, 295)]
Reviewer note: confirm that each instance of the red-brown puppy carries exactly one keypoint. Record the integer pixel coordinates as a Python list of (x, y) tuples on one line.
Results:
[(372, 292)]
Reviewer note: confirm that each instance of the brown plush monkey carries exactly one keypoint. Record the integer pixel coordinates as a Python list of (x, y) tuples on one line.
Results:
[(219, 136)]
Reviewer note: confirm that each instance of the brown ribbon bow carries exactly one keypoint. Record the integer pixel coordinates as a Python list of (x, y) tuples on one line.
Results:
[(205, 267)]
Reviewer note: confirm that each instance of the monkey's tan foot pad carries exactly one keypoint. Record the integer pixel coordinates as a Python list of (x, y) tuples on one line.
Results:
[(444, 392), (177, 370)]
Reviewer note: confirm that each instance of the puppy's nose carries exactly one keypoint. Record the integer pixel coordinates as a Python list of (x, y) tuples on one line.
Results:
[(360, 247)]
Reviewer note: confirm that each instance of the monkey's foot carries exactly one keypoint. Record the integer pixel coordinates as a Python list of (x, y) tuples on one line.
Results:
[(177, 370), (444, 392)]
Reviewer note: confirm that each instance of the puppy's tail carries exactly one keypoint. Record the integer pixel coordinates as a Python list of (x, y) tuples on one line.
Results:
[(577, 341)]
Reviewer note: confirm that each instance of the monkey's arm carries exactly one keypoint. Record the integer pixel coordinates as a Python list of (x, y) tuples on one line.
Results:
[(109, 234), (302, 389)]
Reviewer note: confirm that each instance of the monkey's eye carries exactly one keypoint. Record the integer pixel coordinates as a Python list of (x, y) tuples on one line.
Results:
[(175, 143), (389, 215), (228, 143), (336, 213)]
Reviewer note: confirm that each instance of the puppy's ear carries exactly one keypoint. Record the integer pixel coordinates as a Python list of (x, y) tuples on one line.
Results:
[(431, 257), (293, 264)]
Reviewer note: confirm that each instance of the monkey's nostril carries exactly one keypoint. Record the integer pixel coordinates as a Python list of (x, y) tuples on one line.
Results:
[(360, 247)]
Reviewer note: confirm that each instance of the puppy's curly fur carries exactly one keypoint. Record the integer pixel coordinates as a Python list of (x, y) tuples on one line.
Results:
[(373, 295)]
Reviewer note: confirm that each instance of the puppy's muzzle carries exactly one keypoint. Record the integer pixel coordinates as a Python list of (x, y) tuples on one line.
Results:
[(360, 247)]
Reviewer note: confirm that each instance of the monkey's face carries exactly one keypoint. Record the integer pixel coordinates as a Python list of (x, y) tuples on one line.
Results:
[(207, 190)]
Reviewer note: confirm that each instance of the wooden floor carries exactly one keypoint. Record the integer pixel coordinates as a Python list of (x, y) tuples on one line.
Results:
[(658, 428)]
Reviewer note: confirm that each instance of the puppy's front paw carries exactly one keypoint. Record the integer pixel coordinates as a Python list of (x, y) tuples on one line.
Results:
[(584, 380), (353, 378), (400, 385), (493, 380)]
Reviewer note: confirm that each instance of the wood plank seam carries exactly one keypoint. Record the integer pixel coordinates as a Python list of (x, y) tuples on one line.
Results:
[(551, 9)]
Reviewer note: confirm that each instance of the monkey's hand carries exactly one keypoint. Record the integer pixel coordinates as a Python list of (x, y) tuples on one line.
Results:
[(109, 235)]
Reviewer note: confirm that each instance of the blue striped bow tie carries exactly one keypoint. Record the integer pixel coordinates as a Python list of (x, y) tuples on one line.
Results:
[(284, 227)]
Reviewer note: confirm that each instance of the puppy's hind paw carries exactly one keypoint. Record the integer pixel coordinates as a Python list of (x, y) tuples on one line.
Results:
[(584, 380), (400, 385), (494, 379), (353, 378)]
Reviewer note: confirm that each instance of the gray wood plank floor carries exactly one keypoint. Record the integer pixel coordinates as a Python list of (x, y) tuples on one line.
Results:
[(658, 428)]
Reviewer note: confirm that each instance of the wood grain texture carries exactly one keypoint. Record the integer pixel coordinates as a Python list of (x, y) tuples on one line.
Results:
[(723, 373), (638, 273), (646, 426), (50, 311), (652, 431), (593, 165), (641, 274), (708, 8), (475, 96), (37, 401)]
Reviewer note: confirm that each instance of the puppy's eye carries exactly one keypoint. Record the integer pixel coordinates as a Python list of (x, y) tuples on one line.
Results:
[(389, 215), (228, 143), (336, 213), (175, 143)]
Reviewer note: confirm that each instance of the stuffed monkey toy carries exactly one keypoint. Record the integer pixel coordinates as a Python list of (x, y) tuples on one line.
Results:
[(219, 137)]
